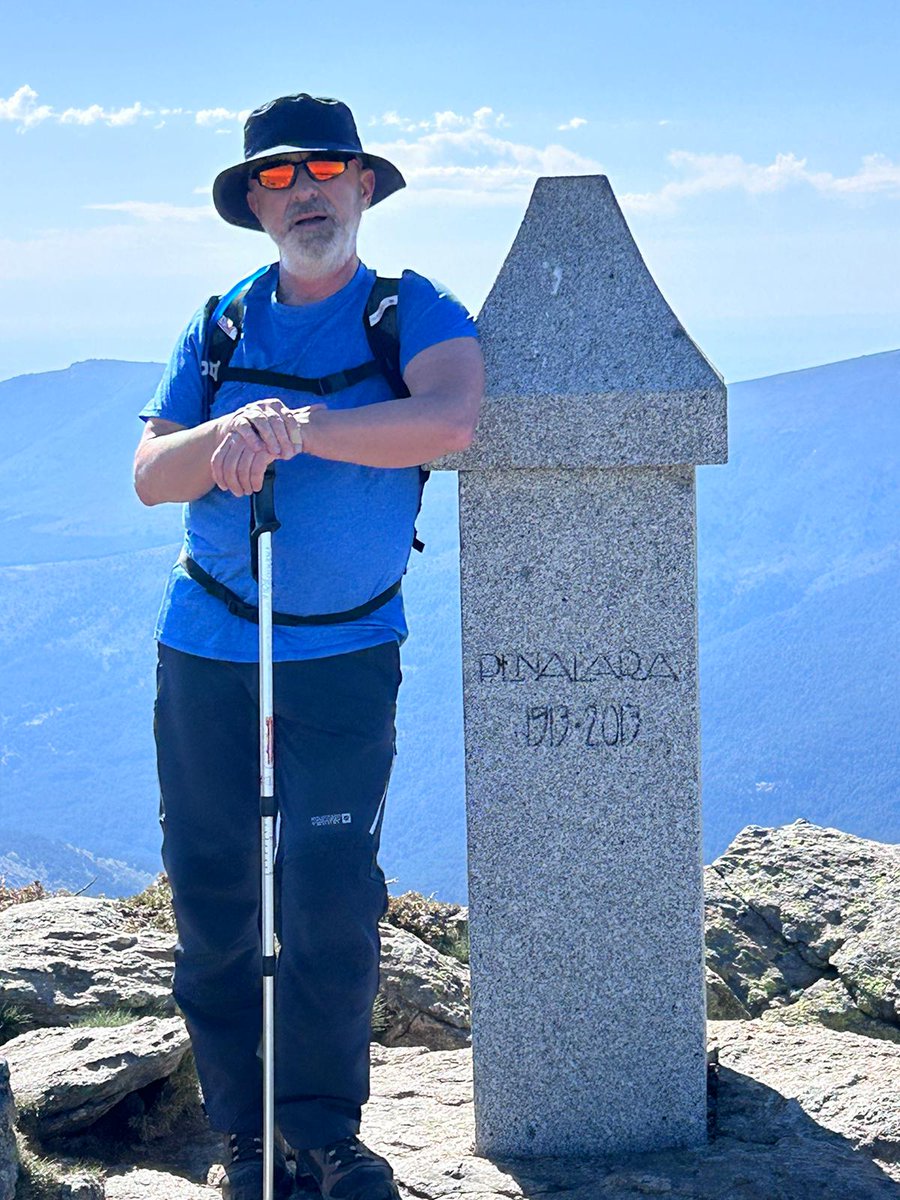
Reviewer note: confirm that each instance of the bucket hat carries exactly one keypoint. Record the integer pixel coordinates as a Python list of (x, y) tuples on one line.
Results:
[(288, 124)]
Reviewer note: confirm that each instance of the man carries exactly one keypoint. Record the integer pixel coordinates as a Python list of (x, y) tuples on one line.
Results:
[(347, 492)]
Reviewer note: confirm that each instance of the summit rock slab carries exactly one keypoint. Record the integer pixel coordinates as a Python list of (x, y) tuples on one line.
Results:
[(64, 1080), (68, 956)]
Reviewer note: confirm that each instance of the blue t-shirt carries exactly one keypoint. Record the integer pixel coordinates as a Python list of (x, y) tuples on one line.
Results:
[(346, 530)]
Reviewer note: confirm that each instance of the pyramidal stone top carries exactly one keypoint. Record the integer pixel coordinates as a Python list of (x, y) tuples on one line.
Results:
[(586, 363)]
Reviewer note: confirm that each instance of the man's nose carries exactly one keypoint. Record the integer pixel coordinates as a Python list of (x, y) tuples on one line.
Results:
[(304, 183)]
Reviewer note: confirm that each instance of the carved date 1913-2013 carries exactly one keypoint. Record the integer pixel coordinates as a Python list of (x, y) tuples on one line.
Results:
[(590, 725)]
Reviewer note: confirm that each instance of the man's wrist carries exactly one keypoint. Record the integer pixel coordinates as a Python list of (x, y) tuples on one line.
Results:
[(220, 425)]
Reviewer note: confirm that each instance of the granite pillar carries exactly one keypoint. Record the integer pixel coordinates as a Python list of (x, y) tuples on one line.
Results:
[(579, 616)]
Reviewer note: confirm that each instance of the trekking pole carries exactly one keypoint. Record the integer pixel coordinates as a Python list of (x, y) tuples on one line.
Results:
[(263, 524)]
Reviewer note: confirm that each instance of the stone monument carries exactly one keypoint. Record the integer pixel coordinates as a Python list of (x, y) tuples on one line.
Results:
[(579, 619)]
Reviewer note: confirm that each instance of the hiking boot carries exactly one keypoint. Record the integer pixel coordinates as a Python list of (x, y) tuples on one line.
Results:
[(348, 1170), (243, 1178), (305, 1185)]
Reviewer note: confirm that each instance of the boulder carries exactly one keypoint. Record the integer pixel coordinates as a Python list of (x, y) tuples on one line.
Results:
[(827, 1002), (9, 1151), (66, 1079), (67, 956), (426, 993), (791, 906), (745, 952)]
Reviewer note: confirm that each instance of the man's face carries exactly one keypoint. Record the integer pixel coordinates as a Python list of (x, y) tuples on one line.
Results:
[(314, 224)]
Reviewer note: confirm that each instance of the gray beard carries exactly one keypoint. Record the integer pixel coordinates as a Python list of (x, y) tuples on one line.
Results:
[(316, 257)]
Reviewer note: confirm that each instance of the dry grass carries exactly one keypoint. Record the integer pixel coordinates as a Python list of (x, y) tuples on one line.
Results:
[(23, 895), (43, 1178)]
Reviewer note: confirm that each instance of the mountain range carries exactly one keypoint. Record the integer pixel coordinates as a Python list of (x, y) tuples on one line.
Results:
[(798, 571)]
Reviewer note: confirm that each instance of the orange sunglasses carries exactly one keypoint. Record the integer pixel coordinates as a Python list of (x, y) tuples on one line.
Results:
[(277, 176)]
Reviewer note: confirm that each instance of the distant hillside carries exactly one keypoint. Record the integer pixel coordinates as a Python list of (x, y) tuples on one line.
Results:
[(65, 480), (58, 865), (799, 570), (799, 567)]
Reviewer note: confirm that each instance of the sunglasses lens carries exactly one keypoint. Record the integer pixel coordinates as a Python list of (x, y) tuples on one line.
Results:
[(279, 176), (323, 169)]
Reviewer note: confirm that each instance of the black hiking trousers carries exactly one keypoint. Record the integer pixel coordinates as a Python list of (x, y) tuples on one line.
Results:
[(334, 750)]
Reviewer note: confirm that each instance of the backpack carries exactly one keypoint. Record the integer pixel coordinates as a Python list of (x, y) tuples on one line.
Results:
[(221, 331)]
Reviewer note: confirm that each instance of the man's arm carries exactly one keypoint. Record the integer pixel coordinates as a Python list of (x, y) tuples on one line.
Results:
[(176, 463), (446, 384), (172, 462)]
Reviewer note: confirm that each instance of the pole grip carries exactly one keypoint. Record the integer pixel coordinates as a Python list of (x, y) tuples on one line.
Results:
[(262, 516)]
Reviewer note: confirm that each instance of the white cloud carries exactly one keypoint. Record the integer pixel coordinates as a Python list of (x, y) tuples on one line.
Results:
[(392, 119), (128, 116), (575, 123), (22, 107), (111, 117), (155, 212), (215, 116), (462, 160), (722, 172), (442, 122)]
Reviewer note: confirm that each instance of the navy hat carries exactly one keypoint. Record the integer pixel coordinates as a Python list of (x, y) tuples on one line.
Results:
[(284, 126)]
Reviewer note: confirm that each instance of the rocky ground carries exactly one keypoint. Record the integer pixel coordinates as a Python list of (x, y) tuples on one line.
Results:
[(803, 972)]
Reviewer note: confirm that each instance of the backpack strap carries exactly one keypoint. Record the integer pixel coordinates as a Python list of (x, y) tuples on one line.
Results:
[(223, 324), (382, 328), (323, 386), (250, 612), (382, 331)]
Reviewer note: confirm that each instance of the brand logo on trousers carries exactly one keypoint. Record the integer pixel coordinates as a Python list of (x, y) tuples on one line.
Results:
[(331, 819)]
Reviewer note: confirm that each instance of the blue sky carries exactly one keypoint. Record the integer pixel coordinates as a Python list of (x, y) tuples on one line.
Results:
[(754, 148)]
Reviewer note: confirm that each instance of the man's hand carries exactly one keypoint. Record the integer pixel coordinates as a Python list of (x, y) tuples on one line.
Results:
[(253, 437)]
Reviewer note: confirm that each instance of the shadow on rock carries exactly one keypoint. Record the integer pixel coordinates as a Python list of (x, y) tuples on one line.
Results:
[(763, 1146)]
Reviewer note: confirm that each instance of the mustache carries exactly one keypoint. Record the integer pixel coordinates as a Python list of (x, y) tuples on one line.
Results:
[(309, 208)]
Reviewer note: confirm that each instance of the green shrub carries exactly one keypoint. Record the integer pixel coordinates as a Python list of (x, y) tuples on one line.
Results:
[(459, 949), (13, 1021), (431, 920), (151, 908), (381, 1017)]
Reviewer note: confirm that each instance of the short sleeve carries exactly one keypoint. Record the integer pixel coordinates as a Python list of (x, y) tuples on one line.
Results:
[(179, 396), (428, 313)]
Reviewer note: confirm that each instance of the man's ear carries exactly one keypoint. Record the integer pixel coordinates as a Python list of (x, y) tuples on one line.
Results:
[(251, 200), (367, 183)]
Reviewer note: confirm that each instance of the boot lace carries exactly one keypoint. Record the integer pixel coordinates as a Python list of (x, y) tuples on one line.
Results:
[(347, 1153), (244, 1147)]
